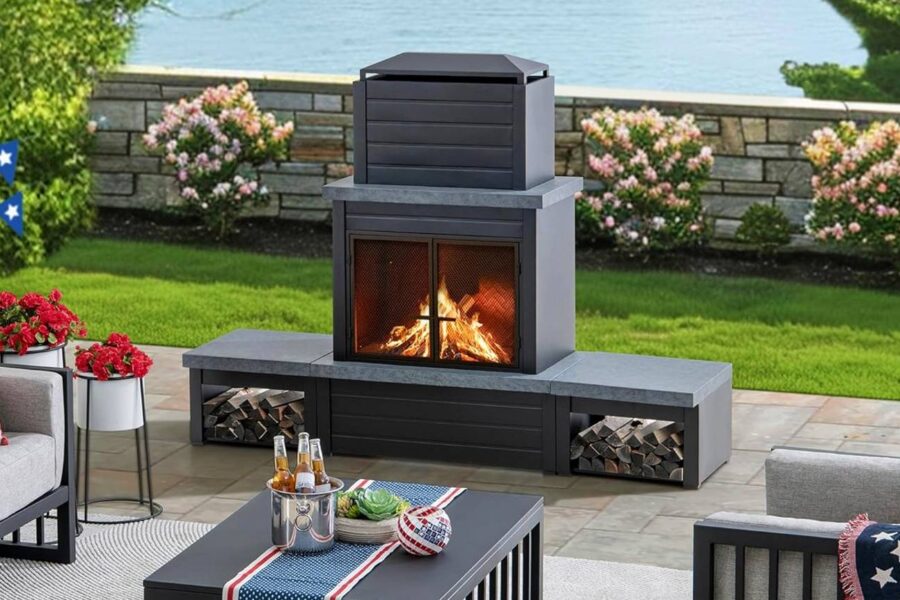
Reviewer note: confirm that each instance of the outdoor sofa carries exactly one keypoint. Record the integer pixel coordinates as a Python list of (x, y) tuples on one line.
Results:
[(37, 468), (791, 551)]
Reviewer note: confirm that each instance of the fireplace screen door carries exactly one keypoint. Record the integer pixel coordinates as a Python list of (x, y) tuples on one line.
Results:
[(440, 301)]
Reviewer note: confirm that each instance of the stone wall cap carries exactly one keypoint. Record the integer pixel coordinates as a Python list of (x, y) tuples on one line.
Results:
[(538, 197), (222, 75), (671, 97), (700, 102), (874, 107)]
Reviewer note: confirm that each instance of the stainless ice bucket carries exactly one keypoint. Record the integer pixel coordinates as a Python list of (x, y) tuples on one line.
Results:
[(304, 522)]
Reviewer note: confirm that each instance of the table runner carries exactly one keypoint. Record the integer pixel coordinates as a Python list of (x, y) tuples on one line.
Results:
[(277, 575), (869, 560)]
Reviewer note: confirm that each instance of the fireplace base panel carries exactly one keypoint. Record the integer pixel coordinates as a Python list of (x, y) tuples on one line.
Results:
[(499, 418)]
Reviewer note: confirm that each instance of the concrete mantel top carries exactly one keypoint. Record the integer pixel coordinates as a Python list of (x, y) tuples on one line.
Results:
[(602, 375), (538, 197)]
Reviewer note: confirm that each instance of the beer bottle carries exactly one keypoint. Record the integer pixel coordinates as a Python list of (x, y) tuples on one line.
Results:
[(283, 480), (323, 484), (304, 478)]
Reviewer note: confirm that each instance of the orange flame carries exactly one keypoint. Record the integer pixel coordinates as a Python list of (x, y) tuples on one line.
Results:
[(461, 339)]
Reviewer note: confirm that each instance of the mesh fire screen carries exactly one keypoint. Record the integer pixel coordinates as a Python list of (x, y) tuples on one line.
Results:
[(477, 302), (391, 283), (472, 291)]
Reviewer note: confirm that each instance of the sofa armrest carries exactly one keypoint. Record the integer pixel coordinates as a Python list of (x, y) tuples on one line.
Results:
[(39, 400), (832, 486), (759, 553)]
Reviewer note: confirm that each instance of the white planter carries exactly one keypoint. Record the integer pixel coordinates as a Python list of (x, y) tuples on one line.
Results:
[(37, 356), (115, 404)]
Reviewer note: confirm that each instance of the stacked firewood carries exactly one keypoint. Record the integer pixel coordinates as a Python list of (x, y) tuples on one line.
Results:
[(642, 448), (253, 415)]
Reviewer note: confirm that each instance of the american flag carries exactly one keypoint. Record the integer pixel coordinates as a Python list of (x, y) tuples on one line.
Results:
[(11, 211)]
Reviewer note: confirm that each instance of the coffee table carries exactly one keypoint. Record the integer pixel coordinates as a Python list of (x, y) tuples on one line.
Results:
[(496, 552)]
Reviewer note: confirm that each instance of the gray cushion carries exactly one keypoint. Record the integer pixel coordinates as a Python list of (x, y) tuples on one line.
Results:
[(32, 402), (27, 470), (767, 521), (830, 486)]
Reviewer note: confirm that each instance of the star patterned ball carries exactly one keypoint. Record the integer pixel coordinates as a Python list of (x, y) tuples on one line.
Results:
[(424, 530)]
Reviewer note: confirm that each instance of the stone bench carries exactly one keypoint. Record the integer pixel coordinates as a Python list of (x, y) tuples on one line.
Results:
[(478, 416)]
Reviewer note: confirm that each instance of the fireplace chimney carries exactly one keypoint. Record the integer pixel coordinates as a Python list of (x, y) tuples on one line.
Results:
[(454, 120)]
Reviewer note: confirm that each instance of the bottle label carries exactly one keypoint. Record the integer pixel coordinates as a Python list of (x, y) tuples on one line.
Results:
[(305, 481), (325, 487)]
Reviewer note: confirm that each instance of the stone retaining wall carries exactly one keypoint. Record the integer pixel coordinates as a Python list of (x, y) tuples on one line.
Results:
[(756, 139)]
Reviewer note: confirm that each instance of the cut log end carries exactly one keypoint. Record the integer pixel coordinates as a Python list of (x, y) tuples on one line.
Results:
[(649, 449), (253, 415)]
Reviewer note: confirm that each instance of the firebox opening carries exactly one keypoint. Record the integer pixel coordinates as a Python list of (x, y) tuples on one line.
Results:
[(440, 301)]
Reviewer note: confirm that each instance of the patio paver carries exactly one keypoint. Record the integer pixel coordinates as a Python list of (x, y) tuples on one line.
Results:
[(587, 517)]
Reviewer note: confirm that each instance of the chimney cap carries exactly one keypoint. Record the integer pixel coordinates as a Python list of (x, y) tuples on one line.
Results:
[(439, 64)]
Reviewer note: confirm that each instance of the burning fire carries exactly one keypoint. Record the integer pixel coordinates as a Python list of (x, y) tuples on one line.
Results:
[(462, 339)]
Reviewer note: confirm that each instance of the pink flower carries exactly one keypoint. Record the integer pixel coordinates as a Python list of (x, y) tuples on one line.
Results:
[(854, 227), (610, 222)]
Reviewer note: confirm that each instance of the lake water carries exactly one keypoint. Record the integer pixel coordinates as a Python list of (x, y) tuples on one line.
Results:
[(733, 46)]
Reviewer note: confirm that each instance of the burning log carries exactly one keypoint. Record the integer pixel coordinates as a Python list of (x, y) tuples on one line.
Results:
[(462, 338), (639, 448), (253, 415)]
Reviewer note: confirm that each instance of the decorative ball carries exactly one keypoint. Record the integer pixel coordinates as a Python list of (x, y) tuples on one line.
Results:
[(424, 530)]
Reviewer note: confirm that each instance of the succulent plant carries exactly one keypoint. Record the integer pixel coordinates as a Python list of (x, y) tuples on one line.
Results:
[(378, 505), (346, 505), (375, 505)]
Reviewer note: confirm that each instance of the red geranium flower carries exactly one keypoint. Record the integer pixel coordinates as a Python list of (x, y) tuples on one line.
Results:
[(116, 356), (36, 320)]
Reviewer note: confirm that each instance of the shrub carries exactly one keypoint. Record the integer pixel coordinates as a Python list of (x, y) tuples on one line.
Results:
[(214, 142), (652, 169), (856, 186), (764, 226), (51, 51)]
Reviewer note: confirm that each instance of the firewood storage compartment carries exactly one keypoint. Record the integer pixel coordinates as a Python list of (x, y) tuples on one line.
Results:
[(454, 120)]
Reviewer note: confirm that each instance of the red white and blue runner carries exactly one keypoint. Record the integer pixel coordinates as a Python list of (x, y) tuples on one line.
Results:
[(277, 575)]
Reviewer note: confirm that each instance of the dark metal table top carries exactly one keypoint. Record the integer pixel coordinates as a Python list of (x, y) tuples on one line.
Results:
[(485, 526)]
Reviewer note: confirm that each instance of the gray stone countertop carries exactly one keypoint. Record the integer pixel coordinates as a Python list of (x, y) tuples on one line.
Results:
[(538, 197), (602, 375)]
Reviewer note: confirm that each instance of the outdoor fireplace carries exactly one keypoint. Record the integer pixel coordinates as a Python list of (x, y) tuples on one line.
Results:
[(454, 304), (454, 241)]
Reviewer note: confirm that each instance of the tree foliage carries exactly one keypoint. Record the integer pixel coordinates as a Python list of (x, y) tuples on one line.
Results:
[(51, 52), (878, 23)]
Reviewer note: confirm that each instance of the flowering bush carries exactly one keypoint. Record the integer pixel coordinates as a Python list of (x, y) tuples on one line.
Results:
[(35, 320), (652, 168), (856, 186), (117, 356), (214, 142)]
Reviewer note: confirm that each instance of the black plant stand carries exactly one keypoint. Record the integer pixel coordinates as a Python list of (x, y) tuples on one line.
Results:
[(154, 509)]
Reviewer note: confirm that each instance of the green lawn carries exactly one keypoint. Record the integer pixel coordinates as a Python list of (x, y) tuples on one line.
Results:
[(780, 336)]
